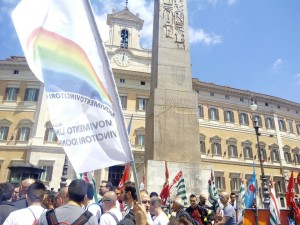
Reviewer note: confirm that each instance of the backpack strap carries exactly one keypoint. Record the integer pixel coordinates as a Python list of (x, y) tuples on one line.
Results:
[(114, 216), (51, 217), (83, 218)]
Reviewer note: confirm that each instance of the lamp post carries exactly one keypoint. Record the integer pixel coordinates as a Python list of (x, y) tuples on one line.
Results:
[(264, 181)]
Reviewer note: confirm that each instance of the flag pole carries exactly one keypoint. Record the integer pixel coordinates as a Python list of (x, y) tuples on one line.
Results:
[(111, 82)]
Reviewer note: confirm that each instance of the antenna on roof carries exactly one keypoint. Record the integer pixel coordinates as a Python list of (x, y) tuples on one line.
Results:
[(126, 2)]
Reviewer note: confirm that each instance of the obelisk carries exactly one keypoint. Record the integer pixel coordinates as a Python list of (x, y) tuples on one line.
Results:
[(172, 131)]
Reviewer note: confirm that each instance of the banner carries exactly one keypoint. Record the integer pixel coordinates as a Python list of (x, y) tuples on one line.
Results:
[(241, 203), (213, 196), (181, 191), (251, 191), (125, 176), (165, 192), (64, 50), (290, 194), (274, 210)]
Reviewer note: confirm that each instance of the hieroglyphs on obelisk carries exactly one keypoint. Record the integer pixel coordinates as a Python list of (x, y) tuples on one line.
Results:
[(171, 118)]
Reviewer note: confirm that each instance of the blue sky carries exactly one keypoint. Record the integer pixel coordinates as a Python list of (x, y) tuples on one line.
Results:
[(252, 45)]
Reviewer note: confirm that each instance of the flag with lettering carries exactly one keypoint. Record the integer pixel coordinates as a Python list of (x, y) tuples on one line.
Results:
[(274, 209), (251, 191), (64, 50)]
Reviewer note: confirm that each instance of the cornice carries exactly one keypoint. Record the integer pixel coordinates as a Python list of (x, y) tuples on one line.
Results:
[(131, 74)]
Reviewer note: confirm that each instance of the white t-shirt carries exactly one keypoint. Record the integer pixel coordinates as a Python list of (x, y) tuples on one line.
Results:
[(95, 209), (162, 219), (107, 219), (25, 216)]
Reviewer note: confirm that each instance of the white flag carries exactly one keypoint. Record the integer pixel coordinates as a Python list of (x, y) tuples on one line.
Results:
[(60, 47)]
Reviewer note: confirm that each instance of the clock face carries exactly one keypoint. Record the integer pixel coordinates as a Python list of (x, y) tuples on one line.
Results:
[(122, 58)]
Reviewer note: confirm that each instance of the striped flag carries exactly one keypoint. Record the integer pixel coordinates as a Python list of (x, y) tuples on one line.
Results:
[(181, 191), (241, 203), (213, 196), (274, 210)]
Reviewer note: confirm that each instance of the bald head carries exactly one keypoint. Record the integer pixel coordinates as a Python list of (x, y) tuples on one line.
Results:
[(109, 200), (224, 198), (203, 199), (111, 196), (25, 185), (177, 204)]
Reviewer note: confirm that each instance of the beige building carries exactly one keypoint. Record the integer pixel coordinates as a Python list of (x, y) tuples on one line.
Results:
[(226, 134)]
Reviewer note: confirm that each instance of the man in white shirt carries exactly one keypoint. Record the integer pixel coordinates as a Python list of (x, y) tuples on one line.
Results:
[(160, 218), (31, 214), (112, 214)]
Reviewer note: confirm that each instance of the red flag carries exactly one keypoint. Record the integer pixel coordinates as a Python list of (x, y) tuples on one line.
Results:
[(298, 178), (165, 192), (125, 177), (290, 194), (176, 178)]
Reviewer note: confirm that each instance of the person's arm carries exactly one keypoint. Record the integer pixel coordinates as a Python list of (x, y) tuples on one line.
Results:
[(140, 214), (223, 221)]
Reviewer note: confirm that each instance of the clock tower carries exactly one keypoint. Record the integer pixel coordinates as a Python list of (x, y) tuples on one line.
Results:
[(123, 47)]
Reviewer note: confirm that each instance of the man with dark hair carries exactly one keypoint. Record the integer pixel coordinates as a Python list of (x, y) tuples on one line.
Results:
[(6, 206), (104, 187), (90, 204), (199, 213), (128, 195), (153, 194), (21, 203), (72, 211), (232, 200), (30, 215)]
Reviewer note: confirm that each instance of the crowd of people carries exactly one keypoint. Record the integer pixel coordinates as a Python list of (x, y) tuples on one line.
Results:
[(32, 204)]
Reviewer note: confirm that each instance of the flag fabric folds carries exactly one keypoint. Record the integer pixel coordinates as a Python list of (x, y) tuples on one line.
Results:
[(89, 177), (125, 177), (290, 194), (213, 196), (251, 191), (64, 50), (181, 190), (241, 203), (274, 210), (165, 192), (298, 178)]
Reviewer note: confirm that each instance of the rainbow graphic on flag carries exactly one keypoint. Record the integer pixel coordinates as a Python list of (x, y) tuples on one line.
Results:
[(65, 66)]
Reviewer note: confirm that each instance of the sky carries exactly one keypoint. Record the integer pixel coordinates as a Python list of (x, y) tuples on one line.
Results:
[(245, 44)]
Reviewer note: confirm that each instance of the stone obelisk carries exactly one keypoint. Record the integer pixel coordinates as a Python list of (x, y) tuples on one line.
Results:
[(172, 131)]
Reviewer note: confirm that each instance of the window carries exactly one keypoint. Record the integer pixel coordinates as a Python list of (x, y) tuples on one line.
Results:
[(50, 135), (235, 182), (298, 128), (247, 149), (263, 152), (213, 114), (23, 134), (226, 96), (281, 124), (200, 111), (216, 145), (279, 185), (257, 117), (297, 158), (287, 157), (266, 104), (244, 119), (122, 81), (141, 104), (123, 100), (143, 83), (220, 180), (282, 204), (228, 116), (47, 165), (269, 122), (16, 72), (124, 38), (291, 128), (278, 106), (141, 139), (202, 144), (274, 153), (232, 148), (241, 100), (11, 93), (140, 136), (212, 94), (3, 133), (31, 94)]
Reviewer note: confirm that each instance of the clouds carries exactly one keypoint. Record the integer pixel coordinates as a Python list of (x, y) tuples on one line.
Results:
[(277, 65), (199, 35)]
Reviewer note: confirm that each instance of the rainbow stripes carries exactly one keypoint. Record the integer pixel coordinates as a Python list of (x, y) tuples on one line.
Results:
[(65, 66)]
